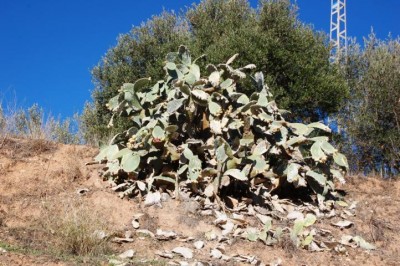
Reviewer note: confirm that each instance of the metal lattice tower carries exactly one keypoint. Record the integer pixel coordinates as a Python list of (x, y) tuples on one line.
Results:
[(338, 32)]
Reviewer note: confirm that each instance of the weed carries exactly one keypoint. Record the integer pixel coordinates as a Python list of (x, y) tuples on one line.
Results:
[(287, 245), (72, 229)]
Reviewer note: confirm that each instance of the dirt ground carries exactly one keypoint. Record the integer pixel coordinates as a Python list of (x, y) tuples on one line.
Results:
[(39, 180)]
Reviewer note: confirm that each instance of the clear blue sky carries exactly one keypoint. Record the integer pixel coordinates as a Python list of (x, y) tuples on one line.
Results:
[(48, 47)]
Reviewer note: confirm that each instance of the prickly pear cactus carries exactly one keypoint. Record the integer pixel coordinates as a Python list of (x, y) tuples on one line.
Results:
[(197, 130)]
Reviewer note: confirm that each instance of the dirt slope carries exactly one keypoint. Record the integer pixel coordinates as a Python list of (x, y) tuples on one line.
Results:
[(39, 183)]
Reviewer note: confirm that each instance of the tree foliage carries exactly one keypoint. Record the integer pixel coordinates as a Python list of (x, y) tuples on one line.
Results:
[(293, 56), (371, 117), (138, 53)]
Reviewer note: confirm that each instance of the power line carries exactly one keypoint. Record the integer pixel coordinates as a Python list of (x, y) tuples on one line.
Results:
[(338, 31)]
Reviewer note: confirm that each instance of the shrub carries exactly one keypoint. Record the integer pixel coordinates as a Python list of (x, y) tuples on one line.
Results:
[(31, 123), (201, 132)]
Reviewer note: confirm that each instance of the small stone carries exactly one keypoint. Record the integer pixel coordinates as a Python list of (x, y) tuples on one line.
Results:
[(294, 215), (165, 254), (122, 240), (165, 235), (216, 254), (206, 212), (127, 254), (277, 262), (152, 199), (187, 253), (343, 224), (135, 224), (211, 235), (198, 244), (185, 238), (82, 191)]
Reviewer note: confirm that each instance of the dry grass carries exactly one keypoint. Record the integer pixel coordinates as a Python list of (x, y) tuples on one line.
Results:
[(73, 228), (70, 172), (287, 244), (32, 123), (24, 148)]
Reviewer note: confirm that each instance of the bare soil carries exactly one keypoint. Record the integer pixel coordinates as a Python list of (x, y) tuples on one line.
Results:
[(35, 174)]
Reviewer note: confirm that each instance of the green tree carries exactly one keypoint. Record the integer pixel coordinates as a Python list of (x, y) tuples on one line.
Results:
[(139, 53), (371, 117), (293, 56)]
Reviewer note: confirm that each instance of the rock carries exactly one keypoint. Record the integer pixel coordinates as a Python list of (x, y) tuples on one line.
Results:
[(127, 254), (295, 215), (211, 235), (82, 191), (227, 228), (165, 235), (122, 240), (277, 262), (152, 199), (216, 254), (187, 253), (198, 244), (135, 221), (343, 224), (165, 254), (135, 224), (206, 212)]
